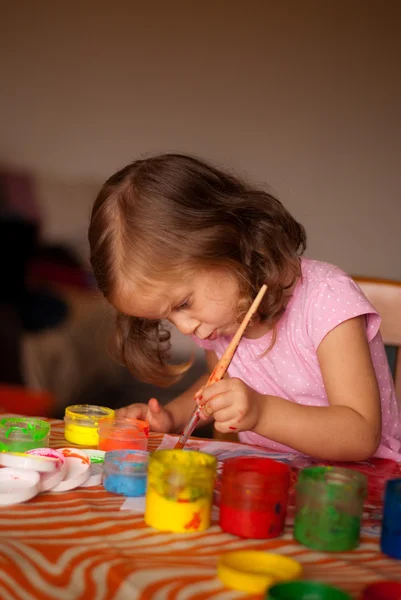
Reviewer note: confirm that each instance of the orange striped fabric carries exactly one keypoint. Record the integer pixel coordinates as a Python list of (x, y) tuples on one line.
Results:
[(78, 545)]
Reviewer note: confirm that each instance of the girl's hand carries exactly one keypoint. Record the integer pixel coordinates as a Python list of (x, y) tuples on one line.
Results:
[(157, 416), (234, 405)]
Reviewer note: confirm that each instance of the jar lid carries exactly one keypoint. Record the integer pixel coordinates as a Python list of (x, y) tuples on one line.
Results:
[(17, 485), (96, 468), (78, 470), (50, 480), (383, 590), (96, 456), (305, 590), (253, 571), (96, 476), (21, 460)]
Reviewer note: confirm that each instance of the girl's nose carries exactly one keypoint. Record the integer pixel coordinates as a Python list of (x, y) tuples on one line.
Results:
[(184, 323)]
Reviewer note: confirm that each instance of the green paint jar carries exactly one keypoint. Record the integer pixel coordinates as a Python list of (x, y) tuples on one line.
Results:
[(19, 434), (305, 590), (329, 507)]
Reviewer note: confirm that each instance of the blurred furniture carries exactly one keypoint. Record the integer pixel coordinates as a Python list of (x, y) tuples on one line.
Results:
[(15, 399), (64, 359), (385, 296), (73, 362)]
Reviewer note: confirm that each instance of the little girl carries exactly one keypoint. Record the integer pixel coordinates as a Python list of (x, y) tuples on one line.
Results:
[(173, 238)]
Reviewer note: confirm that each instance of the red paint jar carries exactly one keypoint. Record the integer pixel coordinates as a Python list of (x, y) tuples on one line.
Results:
[(254, 497), (383, 590)]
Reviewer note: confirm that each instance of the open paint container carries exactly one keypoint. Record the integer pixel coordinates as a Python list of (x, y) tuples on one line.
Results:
[(305, 590), (329, 506), (254, 497), (390, 541), (382, 590), (125, 472), (180, 490), (81, 423), (19, 434), (123, 434)]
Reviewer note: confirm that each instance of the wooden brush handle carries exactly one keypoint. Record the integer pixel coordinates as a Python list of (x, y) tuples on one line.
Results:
[(222, 366), (224, 362)]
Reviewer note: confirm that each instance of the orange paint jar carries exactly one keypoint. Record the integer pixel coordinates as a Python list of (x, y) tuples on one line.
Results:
[(123, 434)]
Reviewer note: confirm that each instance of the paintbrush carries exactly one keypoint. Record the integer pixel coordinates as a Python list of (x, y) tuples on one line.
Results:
[(222, 366)]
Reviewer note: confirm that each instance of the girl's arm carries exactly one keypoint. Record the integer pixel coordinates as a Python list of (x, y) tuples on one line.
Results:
[(349, 428), (182, 407)]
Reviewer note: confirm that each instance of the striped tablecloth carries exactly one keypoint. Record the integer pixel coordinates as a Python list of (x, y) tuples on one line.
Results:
[(79, 546)]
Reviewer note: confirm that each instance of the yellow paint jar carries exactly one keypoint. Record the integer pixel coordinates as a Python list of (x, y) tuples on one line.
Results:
[(81, 423), (180, 490)]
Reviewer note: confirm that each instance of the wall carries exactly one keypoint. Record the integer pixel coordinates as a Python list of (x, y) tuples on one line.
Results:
[(304, 95)]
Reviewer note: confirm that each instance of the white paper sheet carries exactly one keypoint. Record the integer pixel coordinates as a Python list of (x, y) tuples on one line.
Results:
[(136, 505)]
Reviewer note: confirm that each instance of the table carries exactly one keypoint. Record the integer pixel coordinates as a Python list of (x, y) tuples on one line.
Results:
[(79, 546)]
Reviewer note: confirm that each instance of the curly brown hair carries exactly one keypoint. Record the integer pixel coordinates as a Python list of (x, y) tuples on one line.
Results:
[(169, 214)]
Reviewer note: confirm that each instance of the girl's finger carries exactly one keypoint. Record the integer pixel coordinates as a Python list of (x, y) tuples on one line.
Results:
[(216, 403), (199, 393), (225, 415), (154, 406), (207, 393)]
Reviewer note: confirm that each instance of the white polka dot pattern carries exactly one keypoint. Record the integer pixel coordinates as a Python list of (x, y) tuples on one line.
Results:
[(323, 299)]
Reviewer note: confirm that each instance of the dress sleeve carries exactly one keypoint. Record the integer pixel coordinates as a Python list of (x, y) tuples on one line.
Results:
[(334, 301)]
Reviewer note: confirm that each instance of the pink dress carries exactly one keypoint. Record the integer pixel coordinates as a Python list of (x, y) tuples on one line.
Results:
[(322, 299)]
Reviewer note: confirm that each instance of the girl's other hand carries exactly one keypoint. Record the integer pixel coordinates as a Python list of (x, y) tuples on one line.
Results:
[(159, 419)]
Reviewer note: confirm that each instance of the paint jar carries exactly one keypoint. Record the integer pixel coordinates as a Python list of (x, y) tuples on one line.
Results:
[(329, 506), (81, 423), (20, 434), (254, 497), (305, 590), (123, 434), (180, 490), (254, 571), (382, 590), (390, 542), (125, 472)]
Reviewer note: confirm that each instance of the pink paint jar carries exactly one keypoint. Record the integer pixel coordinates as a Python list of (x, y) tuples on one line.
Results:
[(123, 434), (254, 497)]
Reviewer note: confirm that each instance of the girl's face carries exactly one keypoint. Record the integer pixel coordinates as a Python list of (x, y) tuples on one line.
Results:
[(204, 304)]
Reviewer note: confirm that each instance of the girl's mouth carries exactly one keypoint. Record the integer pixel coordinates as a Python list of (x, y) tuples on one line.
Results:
[(213, 335)]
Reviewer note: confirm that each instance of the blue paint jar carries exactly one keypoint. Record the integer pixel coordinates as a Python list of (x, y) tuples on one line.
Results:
[(125, 472), (390, 542)]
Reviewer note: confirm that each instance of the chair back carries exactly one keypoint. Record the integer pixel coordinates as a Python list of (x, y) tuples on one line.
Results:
[(385, 296)]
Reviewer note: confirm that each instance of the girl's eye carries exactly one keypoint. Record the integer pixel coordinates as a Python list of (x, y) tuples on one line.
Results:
[(183, 305)]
